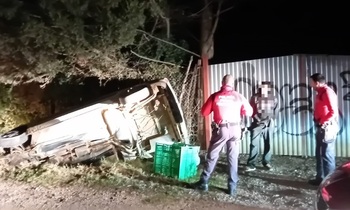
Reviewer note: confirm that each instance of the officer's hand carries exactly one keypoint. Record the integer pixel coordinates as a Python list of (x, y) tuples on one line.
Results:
[(257, 119), (324, 125), (244, 130)]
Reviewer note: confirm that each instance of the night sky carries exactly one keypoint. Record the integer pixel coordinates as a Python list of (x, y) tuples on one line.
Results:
[(257, 29)]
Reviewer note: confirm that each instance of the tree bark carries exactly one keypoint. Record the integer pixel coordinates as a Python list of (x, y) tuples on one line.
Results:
[(207, 47), (209, 24)]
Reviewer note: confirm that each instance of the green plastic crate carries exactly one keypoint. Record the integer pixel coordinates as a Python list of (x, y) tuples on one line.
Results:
[(162, 159), (176, 160)]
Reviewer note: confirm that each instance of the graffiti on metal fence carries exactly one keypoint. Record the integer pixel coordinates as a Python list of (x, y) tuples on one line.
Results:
[(345, 76), (295, 103)]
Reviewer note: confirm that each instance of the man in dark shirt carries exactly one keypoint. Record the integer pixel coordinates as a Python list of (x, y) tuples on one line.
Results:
[(264, 105)]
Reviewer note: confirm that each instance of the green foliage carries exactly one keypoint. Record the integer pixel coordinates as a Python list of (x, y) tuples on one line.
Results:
[(42, 38), (61, 41), (162, 52), (12, 112), (5, 93)]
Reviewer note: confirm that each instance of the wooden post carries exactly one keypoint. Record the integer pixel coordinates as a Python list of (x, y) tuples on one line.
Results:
[(205, 83)]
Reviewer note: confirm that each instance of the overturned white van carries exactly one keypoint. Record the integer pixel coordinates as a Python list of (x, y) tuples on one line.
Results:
[(128, 122)]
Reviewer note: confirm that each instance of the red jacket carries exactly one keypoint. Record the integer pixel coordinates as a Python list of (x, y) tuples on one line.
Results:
[(227, 106), (326, 105)]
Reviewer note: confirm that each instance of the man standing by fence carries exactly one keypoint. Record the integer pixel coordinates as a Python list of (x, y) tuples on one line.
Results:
[(228, 107), (326, 122), (264, 104)]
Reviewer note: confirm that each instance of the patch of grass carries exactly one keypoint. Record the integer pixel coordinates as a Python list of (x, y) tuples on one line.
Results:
[(136, 175)]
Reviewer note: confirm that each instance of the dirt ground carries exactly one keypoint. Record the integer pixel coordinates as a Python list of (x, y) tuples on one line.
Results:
[(32, 197), (283, 188)]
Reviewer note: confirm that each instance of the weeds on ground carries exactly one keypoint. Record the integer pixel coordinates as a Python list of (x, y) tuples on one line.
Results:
[(134, 175), (108, 172)]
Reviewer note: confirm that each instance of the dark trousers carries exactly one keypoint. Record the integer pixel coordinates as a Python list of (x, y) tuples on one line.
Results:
[(257, 130), (325, 153), (222, 136)]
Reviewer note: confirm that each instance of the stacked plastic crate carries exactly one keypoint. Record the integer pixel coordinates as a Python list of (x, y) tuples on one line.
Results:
[(176, 160)]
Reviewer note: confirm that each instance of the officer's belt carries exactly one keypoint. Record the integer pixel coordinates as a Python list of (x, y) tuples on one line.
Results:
[(318, 124), (229, 124)]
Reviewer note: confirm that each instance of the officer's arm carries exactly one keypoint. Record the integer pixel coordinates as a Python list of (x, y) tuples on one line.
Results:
[(207, 106), (253, 102), (246, 108), (331, 101)]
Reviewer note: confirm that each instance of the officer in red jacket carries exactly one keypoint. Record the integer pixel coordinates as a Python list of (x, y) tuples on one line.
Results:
[(228, 107), (326, 122)]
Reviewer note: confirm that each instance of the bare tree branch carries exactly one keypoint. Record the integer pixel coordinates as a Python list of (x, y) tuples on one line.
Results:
[(184, 81), (194, 37), (153, 60), (201, 10), (162, 15), (167, 42), (155, 25), (144, 37), (167, 20), (215, 25), (226, 10)]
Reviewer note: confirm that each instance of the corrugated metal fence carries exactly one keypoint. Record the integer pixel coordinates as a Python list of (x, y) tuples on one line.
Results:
[(294, 134)]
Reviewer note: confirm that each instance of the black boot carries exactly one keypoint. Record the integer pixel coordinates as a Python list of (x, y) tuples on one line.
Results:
[(232, 189), (201, 185)]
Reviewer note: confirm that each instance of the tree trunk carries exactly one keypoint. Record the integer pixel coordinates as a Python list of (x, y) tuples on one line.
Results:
[(207, 42)]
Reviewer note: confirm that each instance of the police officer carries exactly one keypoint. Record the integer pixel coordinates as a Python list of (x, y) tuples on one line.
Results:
[(326, 122), (228, 107)]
